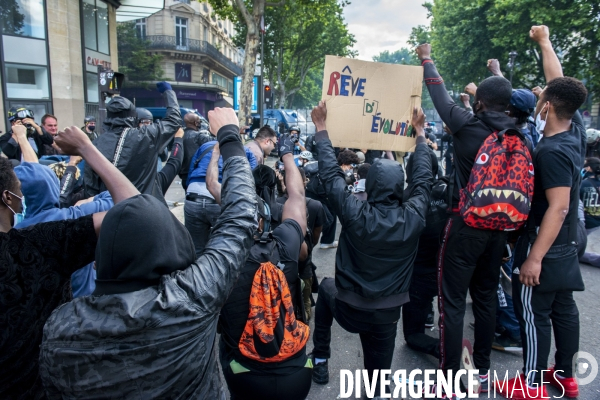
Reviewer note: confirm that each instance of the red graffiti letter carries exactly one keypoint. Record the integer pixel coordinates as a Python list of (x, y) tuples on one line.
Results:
[(333, 81)]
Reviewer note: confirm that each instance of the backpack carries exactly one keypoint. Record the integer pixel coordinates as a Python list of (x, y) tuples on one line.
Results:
[(315, 185), (272, 333), (500, 188)]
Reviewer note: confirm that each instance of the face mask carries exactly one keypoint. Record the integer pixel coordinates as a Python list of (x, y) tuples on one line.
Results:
[(17, 217), (540, 124), (92, 128)]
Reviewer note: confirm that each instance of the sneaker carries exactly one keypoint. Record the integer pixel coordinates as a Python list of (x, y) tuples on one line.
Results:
[(429, 321), (320, 372), (505, 343), (328, 245), (570, 385), (517, 389), (484, 383)]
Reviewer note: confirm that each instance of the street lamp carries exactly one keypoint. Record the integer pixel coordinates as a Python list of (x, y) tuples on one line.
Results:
[(511, 63)]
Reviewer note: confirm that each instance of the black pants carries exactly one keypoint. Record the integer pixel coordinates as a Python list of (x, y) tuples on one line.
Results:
[(199, 219), (250, 386), (423, 289), (469, 260), (328, 233), (377, 340), (535, 312)]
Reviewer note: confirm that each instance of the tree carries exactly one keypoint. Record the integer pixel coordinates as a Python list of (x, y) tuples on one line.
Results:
[(465, 34), (134, 60), (298, 37), (250, 12), (11, 19), (403, 56)]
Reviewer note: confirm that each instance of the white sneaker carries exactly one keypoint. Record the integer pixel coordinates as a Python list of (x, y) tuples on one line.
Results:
[(329, 246)]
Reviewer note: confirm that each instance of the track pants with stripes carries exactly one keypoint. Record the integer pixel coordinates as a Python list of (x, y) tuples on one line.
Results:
[(468, 261), (539, 313)]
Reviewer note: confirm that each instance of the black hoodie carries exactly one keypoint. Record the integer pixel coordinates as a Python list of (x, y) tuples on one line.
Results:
[(379, 238), (468, 130), (141, 240)]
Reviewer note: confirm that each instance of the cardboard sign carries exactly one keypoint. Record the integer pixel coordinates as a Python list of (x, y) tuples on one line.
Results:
[(369, 104)]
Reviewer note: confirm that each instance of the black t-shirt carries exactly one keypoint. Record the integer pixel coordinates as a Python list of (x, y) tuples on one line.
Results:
[(557, 162), (589, 193), (288, 238)]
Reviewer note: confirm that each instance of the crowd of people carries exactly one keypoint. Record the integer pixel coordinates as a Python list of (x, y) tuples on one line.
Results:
[(106, 294)]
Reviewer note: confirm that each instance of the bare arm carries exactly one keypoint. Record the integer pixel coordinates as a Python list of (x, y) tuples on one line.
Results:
[(552, 67), (74, 141), (212, 174), (494, 66), (295, 206), (558, 207), (20, 135)]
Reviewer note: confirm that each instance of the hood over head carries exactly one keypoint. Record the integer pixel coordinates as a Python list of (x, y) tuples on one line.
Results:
[(266, 184), (40, 186), (120, 112), (385, 182), (140, 241)]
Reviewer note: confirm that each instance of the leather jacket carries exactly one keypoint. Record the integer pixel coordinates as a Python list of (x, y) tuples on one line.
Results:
[(138, 158)]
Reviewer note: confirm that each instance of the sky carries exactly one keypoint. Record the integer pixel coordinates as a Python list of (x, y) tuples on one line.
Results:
[(379, 25)]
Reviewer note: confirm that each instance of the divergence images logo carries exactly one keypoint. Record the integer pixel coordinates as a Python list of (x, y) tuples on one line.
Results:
[(583, 363)]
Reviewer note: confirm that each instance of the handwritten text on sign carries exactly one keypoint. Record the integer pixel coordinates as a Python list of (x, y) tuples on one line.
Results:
[(369, 104)]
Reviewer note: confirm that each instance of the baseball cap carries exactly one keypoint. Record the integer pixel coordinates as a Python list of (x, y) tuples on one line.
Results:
[(523, 99), (592, 162)]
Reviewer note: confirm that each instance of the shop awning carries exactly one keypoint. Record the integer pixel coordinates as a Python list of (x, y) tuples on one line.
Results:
[(135, 9)]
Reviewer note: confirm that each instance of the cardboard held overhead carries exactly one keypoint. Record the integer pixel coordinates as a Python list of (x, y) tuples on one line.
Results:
[(369, 104)]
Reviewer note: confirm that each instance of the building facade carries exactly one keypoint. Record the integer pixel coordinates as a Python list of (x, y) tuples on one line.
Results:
[(199, 58), (50, 51)]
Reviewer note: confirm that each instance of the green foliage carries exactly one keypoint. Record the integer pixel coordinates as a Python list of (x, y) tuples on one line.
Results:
[(465, 34), (11, 19), (298, 37), (309, 94), (134, 60), (403, 56)]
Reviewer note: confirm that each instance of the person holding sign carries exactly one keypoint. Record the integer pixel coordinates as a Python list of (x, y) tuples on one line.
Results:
[(377, 247)]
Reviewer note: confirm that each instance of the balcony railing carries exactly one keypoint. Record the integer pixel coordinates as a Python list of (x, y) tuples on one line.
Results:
[(164, 42), (183, 1)]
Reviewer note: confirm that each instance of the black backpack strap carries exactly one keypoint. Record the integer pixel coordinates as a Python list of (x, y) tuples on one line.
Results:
[(205, 152)]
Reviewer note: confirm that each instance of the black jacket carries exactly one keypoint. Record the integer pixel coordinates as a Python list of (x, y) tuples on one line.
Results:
[(12, 150), (379, 237), (139, 156), (468, 130)]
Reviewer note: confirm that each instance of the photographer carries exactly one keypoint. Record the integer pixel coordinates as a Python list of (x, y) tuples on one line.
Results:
[(36, 136)]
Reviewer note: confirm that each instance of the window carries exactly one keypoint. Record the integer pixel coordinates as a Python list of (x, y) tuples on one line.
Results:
[(91, 81), (205, 35), (219, 80), (27, 81), (23, 18), (95, 25), (181, 33), (140, 28), (205, 7)]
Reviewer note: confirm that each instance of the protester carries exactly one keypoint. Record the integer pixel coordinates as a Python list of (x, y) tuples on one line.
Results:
[(50, 125), (40, 259), (549, 243), (155, 299), (263, 144), (279, 367), (449, 154), (89, 127), (470, 258), (360, 186), (265, 181), (201, 209), (134, 150), (593, 143), (36, 135), (193, 139), (316, 218), (374, 261), (589, 195)]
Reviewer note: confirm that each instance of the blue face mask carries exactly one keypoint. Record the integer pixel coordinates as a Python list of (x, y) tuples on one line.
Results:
[(17, 217)]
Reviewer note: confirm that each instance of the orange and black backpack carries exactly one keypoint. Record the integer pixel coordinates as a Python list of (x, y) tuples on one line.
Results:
[(500, 188)]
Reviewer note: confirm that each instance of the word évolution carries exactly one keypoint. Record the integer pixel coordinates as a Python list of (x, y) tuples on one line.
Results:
[(341, 84), (385, 125)]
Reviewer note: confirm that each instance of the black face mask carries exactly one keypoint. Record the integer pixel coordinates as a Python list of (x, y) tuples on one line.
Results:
[(92, 128)]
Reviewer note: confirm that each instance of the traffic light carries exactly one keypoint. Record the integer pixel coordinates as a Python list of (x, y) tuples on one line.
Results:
[(268, 96)]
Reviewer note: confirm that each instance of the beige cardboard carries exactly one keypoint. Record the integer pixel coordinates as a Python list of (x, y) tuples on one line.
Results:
[(389, 92)]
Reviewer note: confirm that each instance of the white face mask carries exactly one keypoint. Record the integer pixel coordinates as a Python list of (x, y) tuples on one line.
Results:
[(540, 124)]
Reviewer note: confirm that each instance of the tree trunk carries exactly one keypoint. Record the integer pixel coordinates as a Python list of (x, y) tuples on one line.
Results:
[(246, 89)]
